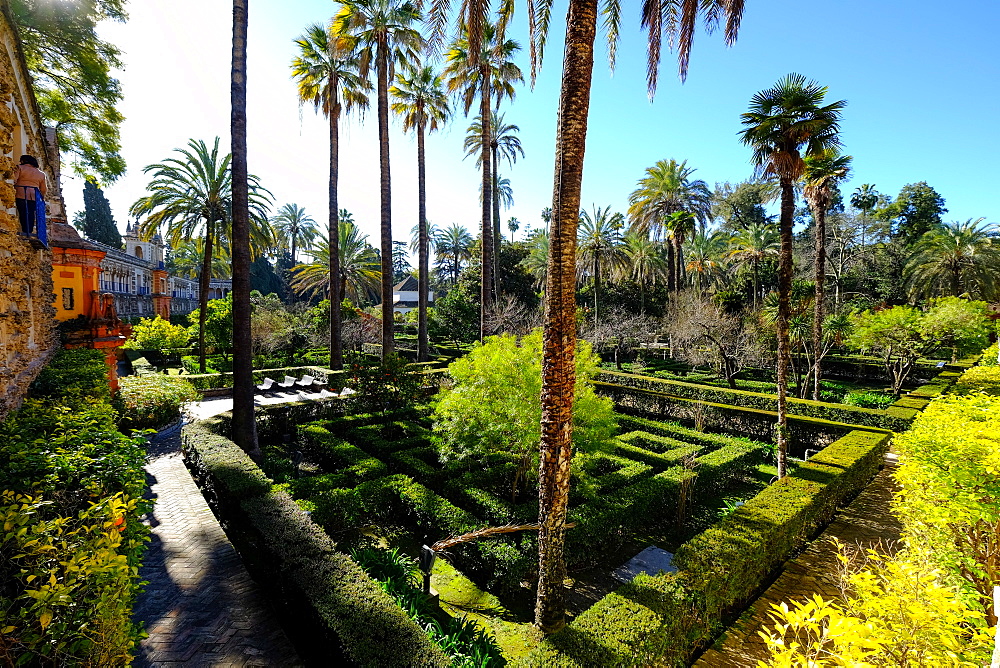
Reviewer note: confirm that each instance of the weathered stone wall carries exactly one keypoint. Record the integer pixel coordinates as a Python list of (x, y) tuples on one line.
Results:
[(28, 337)]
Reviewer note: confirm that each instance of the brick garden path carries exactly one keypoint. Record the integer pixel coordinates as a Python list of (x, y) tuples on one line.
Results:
[(200, 607), (866, 522)]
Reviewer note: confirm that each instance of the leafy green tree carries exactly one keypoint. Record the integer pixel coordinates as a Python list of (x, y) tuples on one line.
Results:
[(456, 316), (264, 278), (744, 203), (646, 262), (902, 335), (864, 198), (98, 222), (71, 71), (156, 334), (956, 258), (218, 323), (493, 405), (388, 384), (917, 209)]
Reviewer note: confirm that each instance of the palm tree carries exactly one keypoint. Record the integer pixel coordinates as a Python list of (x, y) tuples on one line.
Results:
[(421, 101), (756, 243), (383, 32), (191, 196), (822, 172), (666, 190), (295, 229), (513, 224), (646, 262), (599, 247), (663, 18), (504, 143), (780, 123), (480, 65), (187, 258), (359, 268), (537, 261), (704, 253), (433, 232), (454, 243), (956, 258), (865, 198), (326, 73)]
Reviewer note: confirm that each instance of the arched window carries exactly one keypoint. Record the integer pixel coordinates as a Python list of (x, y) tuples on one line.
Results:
[(138, 252)]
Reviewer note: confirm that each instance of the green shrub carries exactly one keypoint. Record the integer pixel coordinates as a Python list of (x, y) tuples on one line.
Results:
[(73, 377), (152, 401), (868, 399), (335, 604), (979, 379), (664, 619), (989, 357), (156, 333)]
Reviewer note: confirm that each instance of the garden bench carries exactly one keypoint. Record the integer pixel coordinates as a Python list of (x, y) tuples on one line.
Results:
[(308, 382), (266, 385), (287, 383)]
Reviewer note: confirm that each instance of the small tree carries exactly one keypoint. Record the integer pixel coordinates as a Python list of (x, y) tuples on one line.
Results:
[(155, 334), (618, 332), (494, 406), (98, 222), (902, 335), (389, 383), (218, 323)]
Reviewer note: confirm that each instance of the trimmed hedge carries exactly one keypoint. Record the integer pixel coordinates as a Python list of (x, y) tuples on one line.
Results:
[(657, 460), (869, 417), (336, 454), (664, 619), (339, 612)]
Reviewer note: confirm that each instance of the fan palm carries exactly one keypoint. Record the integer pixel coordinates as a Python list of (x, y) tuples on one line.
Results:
[(956, 258), (646, 262), (421, 101), (191, 196), (756, 243), (513, 224), (453, 245), (599, 247), (359, 265), (382, 31), (294, 228), (781, 123), (327, 74), (666, 190), (480, 65), (822, 172)]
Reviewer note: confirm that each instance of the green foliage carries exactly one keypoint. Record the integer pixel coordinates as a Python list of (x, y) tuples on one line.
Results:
[(455, 316), (916, 210), (152, 401), (71, 72), (156, 334), (304, 573), (950, 498), (868, 399), (218, 323), (991, 356), (98, 222), (72, 502), (494, 405), (386, 384)]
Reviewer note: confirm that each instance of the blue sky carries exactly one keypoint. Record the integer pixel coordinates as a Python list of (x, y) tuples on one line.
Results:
[(922, 86)]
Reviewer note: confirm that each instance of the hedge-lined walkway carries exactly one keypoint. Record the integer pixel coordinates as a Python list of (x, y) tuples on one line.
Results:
[(200, 607), (867, 522)]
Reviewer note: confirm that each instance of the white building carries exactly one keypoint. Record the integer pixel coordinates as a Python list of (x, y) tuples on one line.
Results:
[(405, 295)]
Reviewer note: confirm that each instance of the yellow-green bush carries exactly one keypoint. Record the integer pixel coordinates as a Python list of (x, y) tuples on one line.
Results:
[(979, 379), (153, 400)]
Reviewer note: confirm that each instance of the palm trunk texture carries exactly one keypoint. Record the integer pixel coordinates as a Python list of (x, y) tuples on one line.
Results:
[(333, 234), (784, 310), (244, 423), (386, 197), (203, 282), (422, 248), (486, 291), (818, 303), (496, 222), (559, 345)]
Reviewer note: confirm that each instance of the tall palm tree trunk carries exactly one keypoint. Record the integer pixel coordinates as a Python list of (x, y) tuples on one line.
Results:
[(244, 425), (496, 223), (486, 293), (597, 285), (756, 283), (386, 196), (203, 282), (559, 345), (818, 302), (671, 268), (422, 249), (333, 234), (784, 311), (295, 235)]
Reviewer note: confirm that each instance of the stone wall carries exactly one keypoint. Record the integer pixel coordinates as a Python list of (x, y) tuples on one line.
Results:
[(28, 337)]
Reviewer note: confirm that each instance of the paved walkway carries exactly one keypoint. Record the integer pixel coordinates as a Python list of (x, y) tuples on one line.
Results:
[(200, 607), (206, 408), (866, 522)]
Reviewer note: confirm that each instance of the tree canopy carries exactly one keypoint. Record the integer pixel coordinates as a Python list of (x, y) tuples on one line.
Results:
[(98, 222)]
